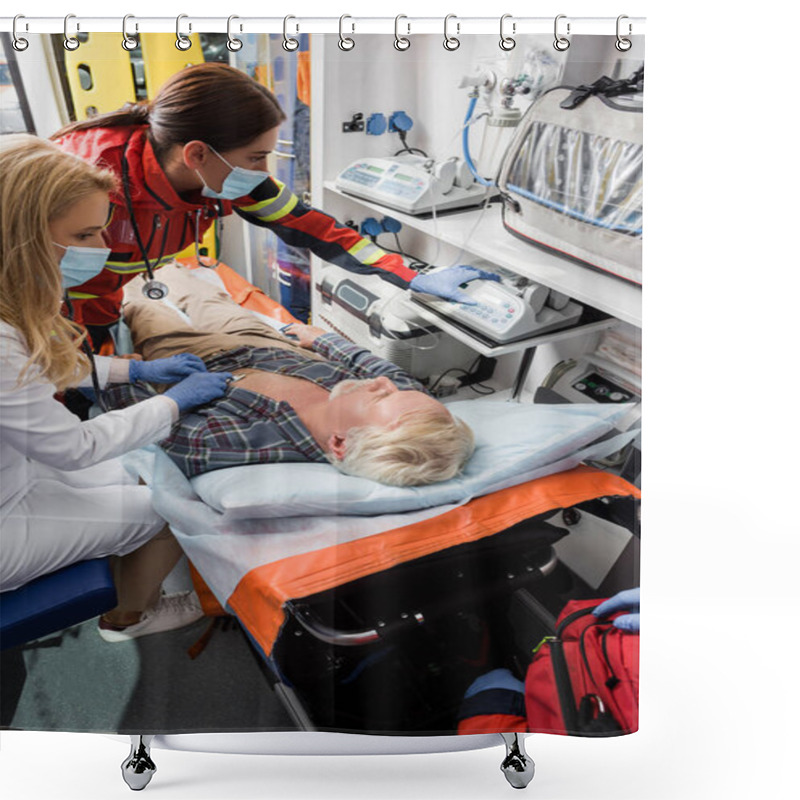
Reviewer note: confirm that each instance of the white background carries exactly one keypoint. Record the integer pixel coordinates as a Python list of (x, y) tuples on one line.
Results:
[(719, 716)]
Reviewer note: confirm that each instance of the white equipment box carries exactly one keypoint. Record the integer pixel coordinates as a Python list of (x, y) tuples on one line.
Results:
[(377, 315), (505, 313), (412, 184)]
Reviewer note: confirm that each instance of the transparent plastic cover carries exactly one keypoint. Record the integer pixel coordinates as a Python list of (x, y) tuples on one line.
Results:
[(583, 175)]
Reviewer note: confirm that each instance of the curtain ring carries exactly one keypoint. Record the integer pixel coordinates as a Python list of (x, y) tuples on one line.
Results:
[(233, 44), (345, 42), (622, 44), (451, 42), (129, 42), (182, 42), (401, 42), (561, 43), (507, 42), (19, 44), (70, 42), (289, 43)]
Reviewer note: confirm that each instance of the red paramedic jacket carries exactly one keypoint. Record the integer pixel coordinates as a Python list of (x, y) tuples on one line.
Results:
[(166, 221)]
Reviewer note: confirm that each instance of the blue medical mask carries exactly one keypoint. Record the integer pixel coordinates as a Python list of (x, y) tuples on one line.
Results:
[(80, 264), (238, 182)]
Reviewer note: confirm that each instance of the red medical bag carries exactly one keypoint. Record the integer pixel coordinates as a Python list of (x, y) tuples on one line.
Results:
[(585, 679)]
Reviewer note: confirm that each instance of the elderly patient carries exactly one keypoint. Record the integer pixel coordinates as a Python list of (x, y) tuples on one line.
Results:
[(314, 398)]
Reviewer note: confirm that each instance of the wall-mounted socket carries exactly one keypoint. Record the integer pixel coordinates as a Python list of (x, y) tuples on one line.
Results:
[(356, 124)]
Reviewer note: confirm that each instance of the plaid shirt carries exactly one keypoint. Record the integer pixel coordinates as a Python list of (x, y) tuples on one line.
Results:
[(244, 427)]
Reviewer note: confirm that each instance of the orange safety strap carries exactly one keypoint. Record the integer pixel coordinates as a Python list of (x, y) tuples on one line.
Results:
[(259, 597), (244, 293)]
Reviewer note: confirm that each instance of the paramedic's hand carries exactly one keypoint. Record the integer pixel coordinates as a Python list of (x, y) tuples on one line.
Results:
[(627, 600), (305, 335), (166, 370), (445, 282), (202, 387)]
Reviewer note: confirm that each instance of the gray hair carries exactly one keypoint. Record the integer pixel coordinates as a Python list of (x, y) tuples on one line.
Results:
[(424, 447)]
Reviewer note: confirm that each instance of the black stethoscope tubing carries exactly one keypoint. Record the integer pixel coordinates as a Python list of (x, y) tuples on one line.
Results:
[(87, 349), (153, 289)]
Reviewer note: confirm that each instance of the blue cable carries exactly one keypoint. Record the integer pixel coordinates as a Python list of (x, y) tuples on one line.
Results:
[(465, 146), (570, 212)]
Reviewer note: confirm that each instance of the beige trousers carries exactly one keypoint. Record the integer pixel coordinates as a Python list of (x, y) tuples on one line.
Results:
[(217, 322)]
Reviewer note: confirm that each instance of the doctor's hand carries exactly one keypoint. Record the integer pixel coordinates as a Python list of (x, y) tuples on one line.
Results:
[(166, 370), (627, 600), (202, 387), (445, 282)]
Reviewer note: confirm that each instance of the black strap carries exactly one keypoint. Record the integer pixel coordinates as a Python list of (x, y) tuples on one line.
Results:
[(564, 688), (607, 87), (566, 695)]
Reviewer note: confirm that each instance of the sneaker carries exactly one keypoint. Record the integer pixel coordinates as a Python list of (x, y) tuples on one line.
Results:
[(172, 611)]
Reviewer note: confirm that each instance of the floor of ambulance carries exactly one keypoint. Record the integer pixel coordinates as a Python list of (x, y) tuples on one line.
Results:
[(75, 681)]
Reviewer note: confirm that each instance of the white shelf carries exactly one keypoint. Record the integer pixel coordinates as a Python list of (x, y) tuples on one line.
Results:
[(496, 350), (490, 242)]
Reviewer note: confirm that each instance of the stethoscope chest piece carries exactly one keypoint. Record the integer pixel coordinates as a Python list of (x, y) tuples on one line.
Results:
[(155, 290)]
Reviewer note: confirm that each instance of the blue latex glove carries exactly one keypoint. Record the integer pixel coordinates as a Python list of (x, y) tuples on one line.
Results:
[(627, 600), (166, 370), (445, 283), (202, 387)]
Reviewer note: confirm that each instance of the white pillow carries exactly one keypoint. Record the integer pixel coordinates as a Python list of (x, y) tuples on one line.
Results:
[(515, 442)]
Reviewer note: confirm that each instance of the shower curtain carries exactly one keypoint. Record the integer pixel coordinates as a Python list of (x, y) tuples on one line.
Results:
[(461, 618)]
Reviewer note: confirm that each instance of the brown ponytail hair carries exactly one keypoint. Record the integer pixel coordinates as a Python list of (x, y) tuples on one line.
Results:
[(215, 103)]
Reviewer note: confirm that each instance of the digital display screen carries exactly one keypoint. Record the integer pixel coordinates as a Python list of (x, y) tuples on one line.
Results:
[(372, 168)]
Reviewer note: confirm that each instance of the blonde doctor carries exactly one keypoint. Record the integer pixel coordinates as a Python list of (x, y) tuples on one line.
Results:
[(64, 495)]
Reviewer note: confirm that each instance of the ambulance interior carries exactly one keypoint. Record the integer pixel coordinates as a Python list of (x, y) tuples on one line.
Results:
[(552, 331)]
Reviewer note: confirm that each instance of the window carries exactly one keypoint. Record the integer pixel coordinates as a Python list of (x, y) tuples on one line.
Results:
[(15, 115)]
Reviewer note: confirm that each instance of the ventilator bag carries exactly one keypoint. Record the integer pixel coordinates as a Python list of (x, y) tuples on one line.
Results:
[(584, 680), (571, 177)]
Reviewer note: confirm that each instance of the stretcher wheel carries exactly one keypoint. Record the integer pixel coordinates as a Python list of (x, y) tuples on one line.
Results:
[(518, 766), (138, 768), (571, 516)]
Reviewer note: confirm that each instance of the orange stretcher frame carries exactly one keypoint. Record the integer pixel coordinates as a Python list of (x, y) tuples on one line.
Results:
[(260, 595)]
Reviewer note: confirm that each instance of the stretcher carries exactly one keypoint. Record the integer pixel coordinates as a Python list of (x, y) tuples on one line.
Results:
[(377, 623), (370, 627)]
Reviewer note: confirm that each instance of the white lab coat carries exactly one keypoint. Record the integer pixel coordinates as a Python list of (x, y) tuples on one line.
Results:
[(64, 496)]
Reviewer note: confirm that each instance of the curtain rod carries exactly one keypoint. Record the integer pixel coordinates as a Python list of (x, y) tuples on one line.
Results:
[(294, 25)]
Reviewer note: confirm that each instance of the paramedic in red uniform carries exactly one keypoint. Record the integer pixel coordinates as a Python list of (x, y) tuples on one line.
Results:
[(197, 152)]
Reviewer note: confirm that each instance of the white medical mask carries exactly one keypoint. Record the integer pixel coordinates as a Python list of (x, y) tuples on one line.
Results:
[(238, 182), (80, 264)]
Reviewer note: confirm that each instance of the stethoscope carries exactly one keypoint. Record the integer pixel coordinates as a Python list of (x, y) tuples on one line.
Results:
[(153, 289), (87, 349)]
